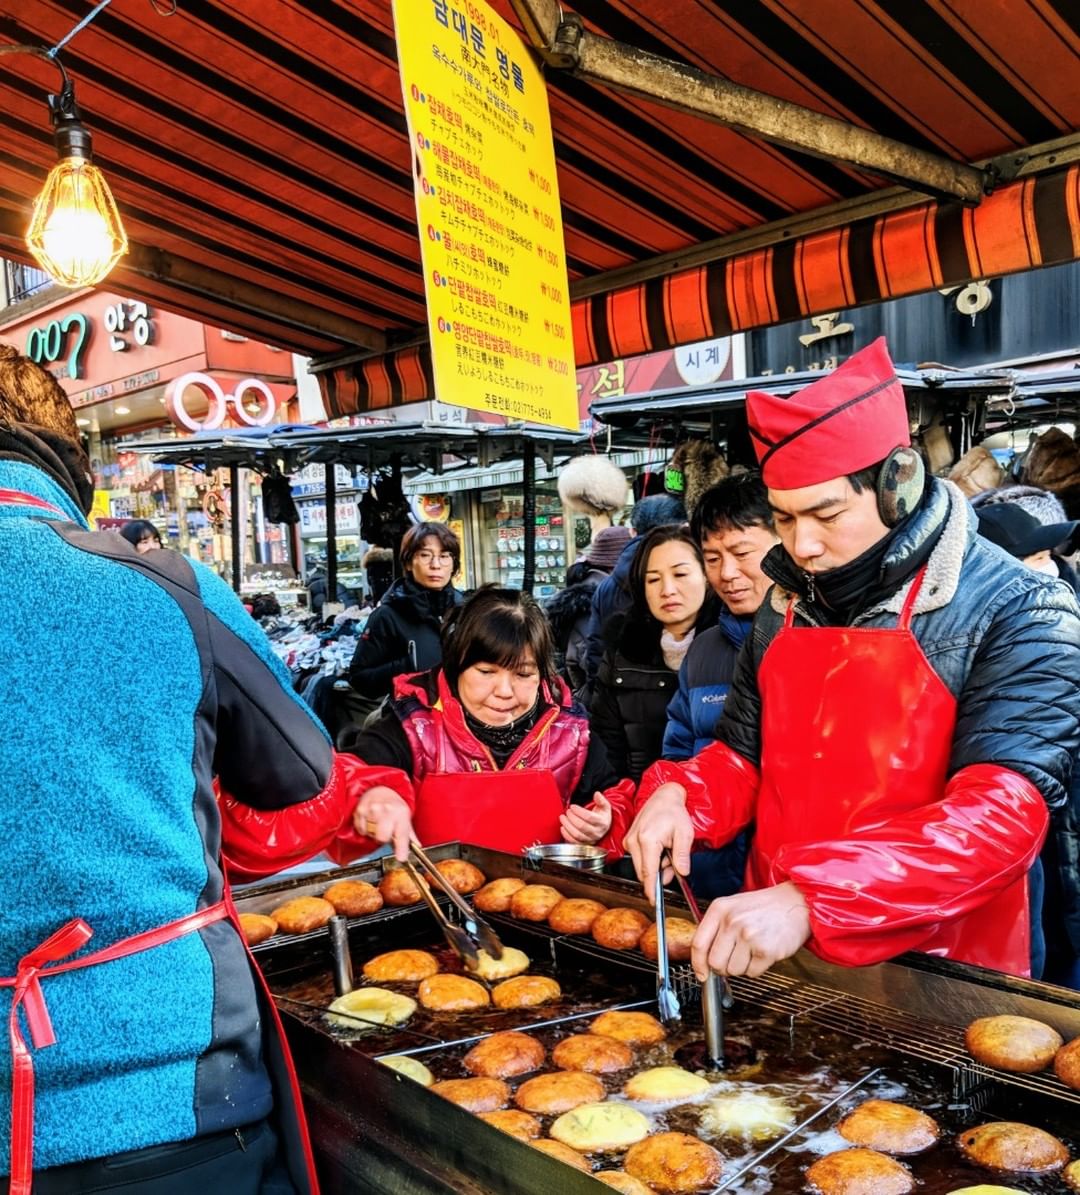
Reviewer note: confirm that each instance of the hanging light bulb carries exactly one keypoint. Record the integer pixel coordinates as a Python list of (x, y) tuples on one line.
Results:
[(75, 233)]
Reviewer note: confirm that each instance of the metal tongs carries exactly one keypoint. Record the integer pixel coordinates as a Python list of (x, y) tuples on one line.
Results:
[(666, 1000), (474, 934), (715, 994)]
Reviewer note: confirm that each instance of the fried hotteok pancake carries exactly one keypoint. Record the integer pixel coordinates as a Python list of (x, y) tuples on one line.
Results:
[(621, 1181), (257, 927), (1067, 1064), (462, 876), (859, 1172), (1008, 1145), (634, 1028), (503, 1055), (354, 898), (593, 1054), (563, 1152), (574, 916), (452, 993), (397, 888), (476, 1095), (1011, 1043), (518, 1124), (680, 938), (513, 962), (662, 1084), (401, 966), (302, 915), (553, 1094), (534, 902), (495, 896), (619, 929), (525, 991), (600, 1128), (673, 1163), (890, 1128)]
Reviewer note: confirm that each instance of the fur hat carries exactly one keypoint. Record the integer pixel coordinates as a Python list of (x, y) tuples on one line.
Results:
[(606, 547), (702, 466), (976, 471), (1053, 462), (1040, 504), (378, 556), (592, 485)]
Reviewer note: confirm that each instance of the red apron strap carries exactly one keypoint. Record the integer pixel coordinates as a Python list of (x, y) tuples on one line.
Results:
[(789, 613), (904, 623), (33, 967)]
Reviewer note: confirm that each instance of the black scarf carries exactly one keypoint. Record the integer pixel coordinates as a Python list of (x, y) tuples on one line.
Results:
[(503, 741), (64, 461), (839, 595)]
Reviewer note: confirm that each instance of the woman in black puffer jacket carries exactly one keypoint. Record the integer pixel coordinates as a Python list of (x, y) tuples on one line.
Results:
[(402, 634), (639, 674)]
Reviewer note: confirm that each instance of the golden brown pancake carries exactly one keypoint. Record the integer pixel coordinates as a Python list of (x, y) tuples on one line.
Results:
[(503, 1055), (525, 991), (1012, 1043), (673, 1163), (475, 1095), (534, 902), (354, 898), (303, 914), (680, 937), (889, 1128), (859, 1172), (401, 966), (462, 876), (1018, 1148), (563, 1152), (257, 927), (1067, 1064), (574, 916), (397, 888), (622, 1181), (558, 1092), (619, 929), (511, 1120), (634, 1028), (593, 1054), (452, 993), (496, 895)]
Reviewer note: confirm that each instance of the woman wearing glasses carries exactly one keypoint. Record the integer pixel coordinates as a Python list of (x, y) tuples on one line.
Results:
[(402, 635)]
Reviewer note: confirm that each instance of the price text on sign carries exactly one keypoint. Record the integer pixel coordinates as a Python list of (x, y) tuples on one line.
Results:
[(487, 203)]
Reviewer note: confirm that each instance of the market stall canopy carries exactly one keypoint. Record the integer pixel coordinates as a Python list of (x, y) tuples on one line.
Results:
[(263, 170), (718, 411), (292, 447)]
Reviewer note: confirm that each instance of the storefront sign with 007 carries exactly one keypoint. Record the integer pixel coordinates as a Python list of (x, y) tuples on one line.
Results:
[(218, 403)]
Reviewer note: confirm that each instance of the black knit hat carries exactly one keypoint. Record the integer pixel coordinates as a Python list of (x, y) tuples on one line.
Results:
[(606, 547)]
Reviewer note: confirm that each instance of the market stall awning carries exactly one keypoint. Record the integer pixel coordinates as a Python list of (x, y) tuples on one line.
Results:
[(259, 156)]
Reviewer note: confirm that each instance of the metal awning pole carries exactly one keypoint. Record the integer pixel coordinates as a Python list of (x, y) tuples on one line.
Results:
[(331, 533), (234, 523), (528, 513)]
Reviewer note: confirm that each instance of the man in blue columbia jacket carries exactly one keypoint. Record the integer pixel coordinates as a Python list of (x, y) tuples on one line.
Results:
[(733, 524)]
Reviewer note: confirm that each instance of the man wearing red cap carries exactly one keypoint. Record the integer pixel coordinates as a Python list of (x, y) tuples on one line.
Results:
[(902, 718)]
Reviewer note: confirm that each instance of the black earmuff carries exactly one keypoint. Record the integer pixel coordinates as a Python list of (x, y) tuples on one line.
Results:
[(900, 485)]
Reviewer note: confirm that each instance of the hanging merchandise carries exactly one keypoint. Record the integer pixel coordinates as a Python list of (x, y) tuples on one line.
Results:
[(384, 511), (695, 467), (1053, 463), (595, 486), (278, 504), (976, 471)]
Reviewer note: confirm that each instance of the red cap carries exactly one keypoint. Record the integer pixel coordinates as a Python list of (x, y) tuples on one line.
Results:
[(850, 419)]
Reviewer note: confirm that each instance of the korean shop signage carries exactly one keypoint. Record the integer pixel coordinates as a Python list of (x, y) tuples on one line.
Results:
[(488, 211), (61, 343)]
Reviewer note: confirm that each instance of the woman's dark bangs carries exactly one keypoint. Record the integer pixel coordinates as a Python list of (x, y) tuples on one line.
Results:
[(502, 639)]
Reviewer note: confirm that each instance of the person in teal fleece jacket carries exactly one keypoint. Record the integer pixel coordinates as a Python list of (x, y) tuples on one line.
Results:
[(132, 684)]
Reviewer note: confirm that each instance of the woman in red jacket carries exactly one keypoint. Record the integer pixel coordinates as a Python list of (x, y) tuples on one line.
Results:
[(495, 709)]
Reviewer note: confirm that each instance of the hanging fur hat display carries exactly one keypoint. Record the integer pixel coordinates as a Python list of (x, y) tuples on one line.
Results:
[(593, 485), (278, 504), (701, 465), (384, 513), (1053, 463)]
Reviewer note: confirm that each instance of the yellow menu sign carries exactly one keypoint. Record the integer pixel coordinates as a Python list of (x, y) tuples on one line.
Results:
[(487, 203)]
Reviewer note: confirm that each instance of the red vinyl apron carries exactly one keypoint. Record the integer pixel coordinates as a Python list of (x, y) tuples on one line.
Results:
[(857, 728), (503, 810)]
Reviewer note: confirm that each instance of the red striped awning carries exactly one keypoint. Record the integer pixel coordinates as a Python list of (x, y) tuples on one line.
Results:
[(258, 152)]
